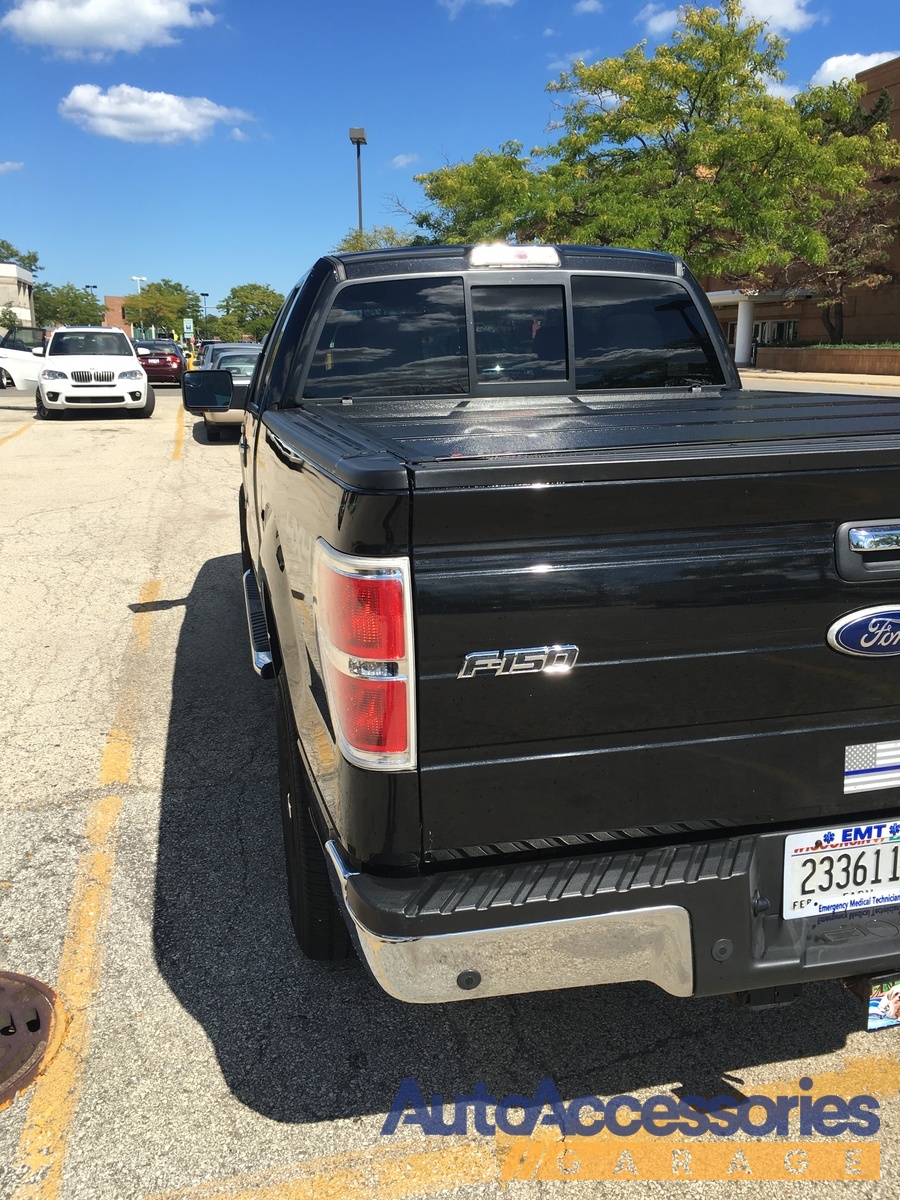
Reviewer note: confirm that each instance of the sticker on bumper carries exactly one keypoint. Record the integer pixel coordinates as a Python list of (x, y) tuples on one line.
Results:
[(871, 766)]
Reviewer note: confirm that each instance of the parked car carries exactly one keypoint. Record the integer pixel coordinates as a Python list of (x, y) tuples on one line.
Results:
[(212, 352), (90, 367), (240, 365), (163, 360), (18, 367)]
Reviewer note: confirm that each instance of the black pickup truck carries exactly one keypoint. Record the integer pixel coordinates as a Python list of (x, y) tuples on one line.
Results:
[(584, 655)]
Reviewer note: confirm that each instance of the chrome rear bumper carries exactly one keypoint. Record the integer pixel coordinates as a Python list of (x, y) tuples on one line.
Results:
[(651, 943)]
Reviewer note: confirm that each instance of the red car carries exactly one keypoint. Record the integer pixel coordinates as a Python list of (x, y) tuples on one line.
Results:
[(162, 360)]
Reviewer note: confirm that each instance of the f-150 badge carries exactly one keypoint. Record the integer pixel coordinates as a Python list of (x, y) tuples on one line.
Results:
[(526, 661), (870, 632)]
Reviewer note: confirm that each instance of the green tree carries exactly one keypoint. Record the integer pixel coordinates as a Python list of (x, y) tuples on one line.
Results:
[(8, 318), (253, 306), (859, 231), (163, 304), (379, 237), (685, 150), (66, 305), (27, 259)]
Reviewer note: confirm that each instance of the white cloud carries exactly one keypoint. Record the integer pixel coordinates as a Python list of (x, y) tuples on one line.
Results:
[(6, 167), (587, 6), (783, 16), (403, 160), (548, 32), (846, 66), (784, 91), (133, 115), (564, 62), (97, 28), (238, 135), (657, 20), (454, 6)]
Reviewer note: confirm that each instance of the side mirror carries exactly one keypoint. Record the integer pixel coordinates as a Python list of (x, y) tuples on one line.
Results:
[(206, 391), (37, 351)]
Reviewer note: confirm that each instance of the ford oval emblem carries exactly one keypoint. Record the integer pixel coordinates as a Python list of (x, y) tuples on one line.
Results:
[(870, 632)]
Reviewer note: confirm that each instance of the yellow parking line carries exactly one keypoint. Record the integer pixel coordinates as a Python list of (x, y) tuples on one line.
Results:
[(386, 1172), (54, 1104), (9, 437), (179, 435)]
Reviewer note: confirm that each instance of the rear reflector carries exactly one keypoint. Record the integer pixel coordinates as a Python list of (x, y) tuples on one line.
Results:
[(374, 710), (363, 616), (363, 612)]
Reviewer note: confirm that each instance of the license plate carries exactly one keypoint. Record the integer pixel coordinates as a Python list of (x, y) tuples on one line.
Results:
[(153, 361), (842, 870)]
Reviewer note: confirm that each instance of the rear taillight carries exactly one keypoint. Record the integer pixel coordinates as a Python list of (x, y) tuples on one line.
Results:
[(364, 624)]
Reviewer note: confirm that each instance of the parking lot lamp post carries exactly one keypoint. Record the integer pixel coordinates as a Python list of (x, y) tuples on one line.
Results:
[(92, 288), (204, 296), (139, 279), (358, 138)]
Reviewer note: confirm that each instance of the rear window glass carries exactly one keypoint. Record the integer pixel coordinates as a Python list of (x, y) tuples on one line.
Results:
[(22, 338), (403, 337), (639, 333), (89, 342), (520, 333)]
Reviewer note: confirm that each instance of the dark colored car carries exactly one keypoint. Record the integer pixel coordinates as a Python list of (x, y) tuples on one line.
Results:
[(162, 360)]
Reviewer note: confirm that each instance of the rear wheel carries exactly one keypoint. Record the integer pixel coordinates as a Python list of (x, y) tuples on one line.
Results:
[(318, 924), (246, 564)]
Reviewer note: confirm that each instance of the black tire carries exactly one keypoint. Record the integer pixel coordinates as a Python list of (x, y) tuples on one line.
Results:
[(43, 413), (149, 405), (212, 433), (246, 564), (315, 916)]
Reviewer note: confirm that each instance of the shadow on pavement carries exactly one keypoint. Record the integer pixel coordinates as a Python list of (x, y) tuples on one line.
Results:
[(299, 1041)]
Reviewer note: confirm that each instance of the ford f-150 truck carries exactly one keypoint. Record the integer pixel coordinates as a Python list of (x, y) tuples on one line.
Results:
[(585, 657)]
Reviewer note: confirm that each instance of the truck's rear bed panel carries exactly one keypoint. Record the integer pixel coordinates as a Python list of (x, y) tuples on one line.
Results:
[(705, 692)]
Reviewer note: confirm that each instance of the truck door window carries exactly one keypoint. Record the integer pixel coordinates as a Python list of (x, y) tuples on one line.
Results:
[(400, 337), (520, 333), (639, 333)]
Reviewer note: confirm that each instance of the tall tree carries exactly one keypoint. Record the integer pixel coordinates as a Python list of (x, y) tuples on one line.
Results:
[(163, 304), (66, 304), (860, 230), (254, 306), (27, 259), (379, 237), (685, 150)]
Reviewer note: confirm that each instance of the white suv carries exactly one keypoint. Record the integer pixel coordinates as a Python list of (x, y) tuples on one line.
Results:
[(91, 367)]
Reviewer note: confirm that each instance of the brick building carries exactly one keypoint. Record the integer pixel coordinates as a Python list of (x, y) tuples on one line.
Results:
[(869, 316)]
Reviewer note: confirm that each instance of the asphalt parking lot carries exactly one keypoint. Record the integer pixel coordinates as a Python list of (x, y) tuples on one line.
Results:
[(141, 875)]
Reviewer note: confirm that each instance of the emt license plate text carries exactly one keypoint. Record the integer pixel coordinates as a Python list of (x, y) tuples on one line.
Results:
[(842, 870)]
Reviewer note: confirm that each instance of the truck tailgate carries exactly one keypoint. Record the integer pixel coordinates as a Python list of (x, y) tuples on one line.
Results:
[(687, 549)]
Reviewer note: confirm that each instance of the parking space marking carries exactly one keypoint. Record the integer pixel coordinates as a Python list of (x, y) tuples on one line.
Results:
[(179, 434), (54, 1103), (391, 1172), (9, 437)]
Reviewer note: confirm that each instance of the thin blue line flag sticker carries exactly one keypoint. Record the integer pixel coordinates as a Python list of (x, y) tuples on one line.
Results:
[(872, 766)]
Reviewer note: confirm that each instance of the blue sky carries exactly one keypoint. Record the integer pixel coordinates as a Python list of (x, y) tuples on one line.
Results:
[(208, 142)]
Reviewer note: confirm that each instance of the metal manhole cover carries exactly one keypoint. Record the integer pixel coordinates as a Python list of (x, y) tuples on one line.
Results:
[(31, 1016)]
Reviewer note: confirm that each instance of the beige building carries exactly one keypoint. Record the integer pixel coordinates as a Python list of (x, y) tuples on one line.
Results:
[(869, 315), (17, 292)]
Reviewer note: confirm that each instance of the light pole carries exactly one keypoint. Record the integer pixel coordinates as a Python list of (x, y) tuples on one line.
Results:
[(139, 279), (204, 296), (358, 138), (92, 288)]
